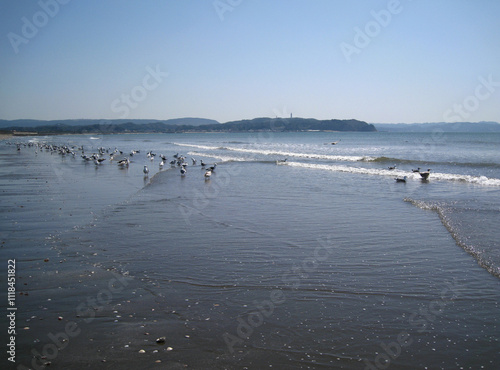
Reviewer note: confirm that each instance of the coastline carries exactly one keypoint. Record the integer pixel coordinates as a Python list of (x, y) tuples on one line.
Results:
[(195, 284)]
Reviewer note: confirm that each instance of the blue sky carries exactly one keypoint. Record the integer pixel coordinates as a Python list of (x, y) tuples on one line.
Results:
[(378, 61)]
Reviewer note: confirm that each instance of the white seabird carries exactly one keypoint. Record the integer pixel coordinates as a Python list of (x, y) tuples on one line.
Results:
[(124, 162)]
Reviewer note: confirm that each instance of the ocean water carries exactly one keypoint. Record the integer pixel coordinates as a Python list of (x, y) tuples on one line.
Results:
[(319, 261)]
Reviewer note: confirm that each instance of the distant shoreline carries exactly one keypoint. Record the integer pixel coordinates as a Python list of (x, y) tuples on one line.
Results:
[(263, 124)]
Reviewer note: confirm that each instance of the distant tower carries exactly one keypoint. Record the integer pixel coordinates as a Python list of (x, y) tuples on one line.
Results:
[(290, 115)]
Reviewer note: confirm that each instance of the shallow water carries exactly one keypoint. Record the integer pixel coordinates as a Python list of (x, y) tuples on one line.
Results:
[(321, 261)]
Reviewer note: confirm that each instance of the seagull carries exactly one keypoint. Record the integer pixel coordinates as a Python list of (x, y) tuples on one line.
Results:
[(425, 175), (212, 168), (208, 173), (161, 164), (145, 170), (202, 163), (124, 162), (194, 161), (183, 170), (392, 168), (401, 179), (417, 170)]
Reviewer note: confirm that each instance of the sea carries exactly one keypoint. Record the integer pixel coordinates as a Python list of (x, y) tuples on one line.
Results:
[(294, 254)]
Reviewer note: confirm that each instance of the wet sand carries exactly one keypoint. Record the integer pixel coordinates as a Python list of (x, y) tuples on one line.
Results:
[(81, 310)]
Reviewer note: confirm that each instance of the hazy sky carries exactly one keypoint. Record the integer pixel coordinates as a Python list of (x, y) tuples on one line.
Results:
[(377, 61)]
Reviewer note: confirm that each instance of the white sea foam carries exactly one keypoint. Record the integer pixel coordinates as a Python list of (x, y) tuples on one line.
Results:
[(480, 180), (445, 213), (205, 147), (223, 158), (342, 158)]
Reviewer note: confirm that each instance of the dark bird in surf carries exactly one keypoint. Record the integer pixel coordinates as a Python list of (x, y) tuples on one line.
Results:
[(417, 170), (392, 167), (425, 175)]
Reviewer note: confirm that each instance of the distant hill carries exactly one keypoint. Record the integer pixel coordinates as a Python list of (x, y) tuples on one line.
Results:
[(86, 122), (297, 124), (186, 125), (444, 126)]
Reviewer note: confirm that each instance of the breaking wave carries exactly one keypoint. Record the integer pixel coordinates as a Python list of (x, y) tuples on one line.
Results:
[(482, 253), (479, 180), (282, 153)]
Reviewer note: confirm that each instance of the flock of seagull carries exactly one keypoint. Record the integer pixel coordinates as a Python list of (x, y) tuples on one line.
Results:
[(423, 175), (102, 154), (178, 161)]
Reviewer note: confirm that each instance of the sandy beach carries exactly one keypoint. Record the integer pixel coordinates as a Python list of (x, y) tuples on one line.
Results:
[(118, 269)]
